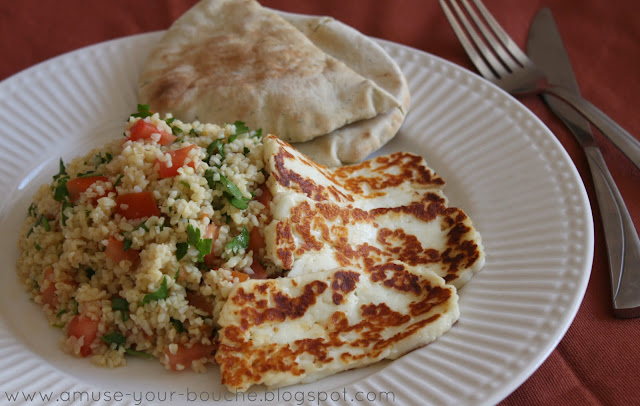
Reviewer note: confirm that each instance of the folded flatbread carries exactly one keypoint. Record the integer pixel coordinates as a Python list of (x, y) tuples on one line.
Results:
[(227, 60), (354, 142)]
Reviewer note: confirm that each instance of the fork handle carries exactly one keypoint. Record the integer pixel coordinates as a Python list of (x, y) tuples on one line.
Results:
[(623, 245), (629, 145)]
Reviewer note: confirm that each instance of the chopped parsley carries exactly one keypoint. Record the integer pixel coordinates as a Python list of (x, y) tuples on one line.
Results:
[(241, 241), (230, 187), (174, 130), (41, 220), (208, 175), (160, 294), (103, 159), (246, 151), (63, 217), (143, 111), (60, 192), (89, 272), (258, 133), (38, 247), (32, 210), (142, 225), (202, 245), (114, 338), (216, 147), (177, 324), (36, 224), (61, 312), (88, 174), (126, 244), (61, 172), (241, 128), (118, 303), (240, 203), (237, 200), (45, 224), (118, 180), (138, 353), (181, 250), (231, 191), (185, 184)]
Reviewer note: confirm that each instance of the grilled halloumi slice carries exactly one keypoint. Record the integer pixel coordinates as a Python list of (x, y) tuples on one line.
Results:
[(299, 329), (390, 207), (374, 258)]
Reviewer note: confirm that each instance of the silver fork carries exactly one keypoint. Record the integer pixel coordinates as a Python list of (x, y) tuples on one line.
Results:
[(501, 61)]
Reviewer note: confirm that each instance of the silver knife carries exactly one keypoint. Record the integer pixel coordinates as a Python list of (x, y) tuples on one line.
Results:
[(545, 48)]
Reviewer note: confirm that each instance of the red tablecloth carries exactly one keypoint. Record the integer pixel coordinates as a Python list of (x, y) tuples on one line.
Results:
[(598, 361)]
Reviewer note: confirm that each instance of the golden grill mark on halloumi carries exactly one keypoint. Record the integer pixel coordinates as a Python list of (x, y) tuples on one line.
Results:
[(291, 330), (355, 184), (390, 207)]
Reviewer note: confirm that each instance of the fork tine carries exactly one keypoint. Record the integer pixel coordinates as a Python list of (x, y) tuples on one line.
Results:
[(488, 56), (506, 40), (477, 60), (491, 37)]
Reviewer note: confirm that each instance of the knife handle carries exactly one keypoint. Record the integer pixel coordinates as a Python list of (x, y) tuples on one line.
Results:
[(623, 245), (629, 145)]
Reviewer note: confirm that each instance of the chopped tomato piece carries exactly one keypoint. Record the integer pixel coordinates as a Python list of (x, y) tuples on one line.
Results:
[(136, 205), (200, 302), (212, 232), (240, 275), (256, 240), (184, 356), (115, 251), (48, 294), (81, 326), (142, 130), (78, 186), (258, 271), (265, 197), (182, 274), (178, 157), (212, 260)]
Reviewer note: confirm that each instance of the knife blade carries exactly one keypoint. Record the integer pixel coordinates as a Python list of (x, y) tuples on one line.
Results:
[(545, 48)]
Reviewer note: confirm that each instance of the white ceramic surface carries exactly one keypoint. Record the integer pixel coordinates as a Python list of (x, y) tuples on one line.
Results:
[(501, 164)]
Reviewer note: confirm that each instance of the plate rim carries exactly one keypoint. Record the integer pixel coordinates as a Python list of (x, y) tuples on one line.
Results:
[(541, 356)]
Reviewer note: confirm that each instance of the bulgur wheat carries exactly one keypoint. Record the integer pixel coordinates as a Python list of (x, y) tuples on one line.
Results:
[(133, 248)]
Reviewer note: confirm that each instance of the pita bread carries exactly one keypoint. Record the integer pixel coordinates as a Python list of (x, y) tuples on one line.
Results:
[(354, 142), (227, 60)]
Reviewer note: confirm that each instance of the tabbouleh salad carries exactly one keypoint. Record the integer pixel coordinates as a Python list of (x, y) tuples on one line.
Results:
[(133, 249)]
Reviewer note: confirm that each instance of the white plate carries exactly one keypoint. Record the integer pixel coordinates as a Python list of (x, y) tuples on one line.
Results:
[(501, 164)]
